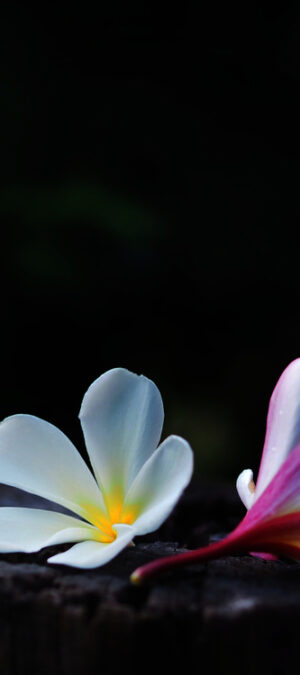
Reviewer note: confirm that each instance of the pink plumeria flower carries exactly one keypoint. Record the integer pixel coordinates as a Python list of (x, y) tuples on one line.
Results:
[(271, 526), (134, 487)]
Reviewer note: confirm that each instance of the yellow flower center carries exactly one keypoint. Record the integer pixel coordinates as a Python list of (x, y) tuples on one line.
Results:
[(116, 512)]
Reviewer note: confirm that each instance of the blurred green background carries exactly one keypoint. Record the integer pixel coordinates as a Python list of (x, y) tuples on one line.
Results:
[(150, 207)]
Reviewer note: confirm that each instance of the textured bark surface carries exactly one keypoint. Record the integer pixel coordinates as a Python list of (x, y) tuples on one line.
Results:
[(238, 614)]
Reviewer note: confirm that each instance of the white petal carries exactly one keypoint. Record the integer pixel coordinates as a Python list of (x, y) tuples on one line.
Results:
[(159, 484), (94, 554), (121, 417), (283, 425), (245, 487), (29, 530), (35, 456)]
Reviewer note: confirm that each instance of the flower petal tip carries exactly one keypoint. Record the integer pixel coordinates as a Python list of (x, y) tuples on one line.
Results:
[(136, 578), (246, 488), (53, 561)]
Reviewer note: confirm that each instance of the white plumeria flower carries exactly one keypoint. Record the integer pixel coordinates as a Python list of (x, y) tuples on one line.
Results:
[(136, 484)]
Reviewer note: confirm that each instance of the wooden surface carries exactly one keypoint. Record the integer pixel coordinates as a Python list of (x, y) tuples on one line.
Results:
[(235, 615)]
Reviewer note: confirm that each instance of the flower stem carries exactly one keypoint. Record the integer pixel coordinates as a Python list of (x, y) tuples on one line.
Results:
[(215, 550), (263, 537)]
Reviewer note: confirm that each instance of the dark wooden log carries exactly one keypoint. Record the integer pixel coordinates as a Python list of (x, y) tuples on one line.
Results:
[(235, 615)]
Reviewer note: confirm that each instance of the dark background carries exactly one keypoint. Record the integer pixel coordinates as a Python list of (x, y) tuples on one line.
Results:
[(150, 209)]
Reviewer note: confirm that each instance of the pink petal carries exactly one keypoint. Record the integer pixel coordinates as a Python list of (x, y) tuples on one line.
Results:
[(264, 556), (283, 425), (281, 496), (279, 535)]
